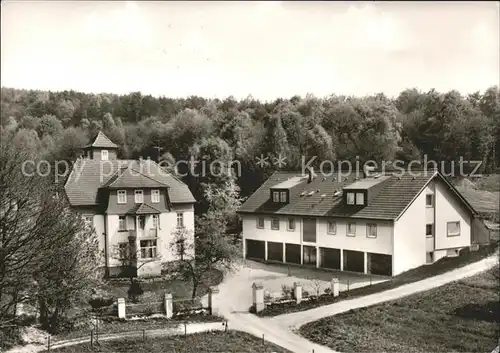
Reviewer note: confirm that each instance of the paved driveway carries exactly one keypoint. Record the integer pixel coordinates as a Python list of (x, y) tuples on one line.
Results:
[(272, 277)]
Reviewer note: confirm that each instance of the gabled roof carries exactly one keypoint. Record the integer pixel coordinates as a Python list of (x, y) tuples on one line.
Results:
[(143, 208), (132, 178), (89, 175), (102, 141), (389, 203)]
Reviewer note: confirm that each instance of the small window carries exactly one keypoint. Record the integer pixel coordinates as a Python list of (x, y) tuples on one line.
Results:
[(429, 230), (351, 229), (453, 229), (138, 196), (350, 198), (275, 223), (429, 200), (276, 196), (429, 257), (148, 249), (371, 230), (260, 222), (122, 223), (283, 196), (122, 196), (104, 155), (360, 198), (155, 196), (155, 221), (291, 224), (332, 227), (180, 220)]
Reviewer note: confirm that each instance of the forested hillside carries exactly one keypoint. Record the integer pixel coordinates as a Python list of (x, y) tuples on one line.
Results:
[(444, 126)]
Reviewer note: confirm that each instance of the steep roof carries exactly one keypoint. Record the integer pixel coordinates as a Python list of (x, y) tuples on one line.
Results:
[(102, 141), (89, 175), (321, 197), (132, 177)]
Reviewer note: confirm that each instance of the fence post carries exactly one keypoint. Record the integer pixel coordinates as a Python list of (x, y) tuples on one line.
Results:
[(297, 292), (185, 330), (121, 308), (169, 308), (143, 335), (335, 287), (92, 338), (348, 286), (258, 297), (48, 343), (211, 296)]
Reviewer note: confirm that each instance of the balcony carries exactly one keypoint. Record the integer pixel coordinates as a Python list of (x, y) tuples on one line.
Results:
[(151, 233)]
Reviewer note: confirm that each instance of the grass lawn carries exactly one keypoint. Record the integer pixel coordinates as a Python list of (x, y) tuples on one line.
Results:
[(117, 326), (178, 287), (446, 264), (463, 316), (231, 341)]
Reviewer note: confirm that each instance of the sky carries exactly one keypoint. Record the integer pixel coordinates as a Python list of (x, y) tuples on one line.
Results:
[(263, 49)]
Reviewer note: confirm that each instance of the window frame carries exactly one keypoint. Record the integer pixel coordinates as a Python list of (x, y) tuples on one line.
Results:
[(276, 196), (432, 200), (291, 229), (283, 196), (363, 198), (353, 194), (448, 234), (431, 235), (347, 229), (124, 228), (273, 219), (155, 196), (156, 221), (139, 192), (104, 153), (328, 228), (180, 216), (122, 193), (371, 226), (258, 219), (152, 248)]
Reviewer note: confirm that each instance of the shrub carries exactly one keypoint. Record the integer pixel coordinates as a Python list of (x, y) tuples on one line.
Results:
[(135, 291), (305, 293), (328, 291), (286, 291)]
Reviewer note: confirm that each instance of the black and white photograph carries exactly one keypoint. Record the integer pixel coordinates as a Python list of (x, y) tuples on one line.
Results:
[(249, 176)]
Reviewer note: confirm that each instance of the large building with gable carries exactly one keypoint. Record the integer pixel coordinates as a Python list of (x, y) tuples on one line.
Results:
[(129, 201)]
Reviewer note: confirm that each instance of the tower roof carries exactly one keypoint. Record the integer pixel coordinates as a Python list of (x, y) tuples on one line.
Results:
[(101, 141)]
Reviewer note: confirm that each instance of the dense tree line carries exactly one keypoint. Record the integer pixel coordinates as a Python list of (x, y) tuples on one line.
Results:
[(443, 126)]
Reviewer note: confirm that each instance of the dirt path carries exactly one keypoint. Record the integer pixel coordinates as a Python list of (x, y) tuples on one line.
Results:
[(234, 292), (171, 331)]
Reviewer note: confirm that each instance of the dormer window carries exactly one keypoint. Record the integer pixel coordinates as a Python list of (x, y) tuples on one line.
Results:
[(279, 196), (155, 196), (350, 198), (104, 155), (138, 196), (122, 196), (360, 198)]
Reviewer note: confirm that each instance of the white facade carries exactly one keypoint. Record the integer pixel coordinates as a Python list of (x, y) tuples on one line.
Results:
[(405, 239), (107, 228)]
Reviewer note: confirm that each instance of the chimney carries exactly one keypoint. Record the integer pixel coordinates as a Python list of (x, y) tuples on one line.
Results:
[(310, 174)]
